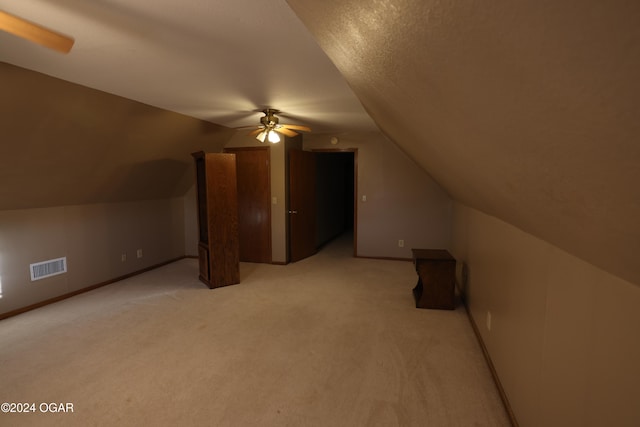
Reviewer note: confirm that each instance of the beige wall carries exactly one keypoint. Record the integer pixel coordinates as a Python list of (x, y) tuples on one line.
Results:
[(92, 237), (564, 334), (402, 201)]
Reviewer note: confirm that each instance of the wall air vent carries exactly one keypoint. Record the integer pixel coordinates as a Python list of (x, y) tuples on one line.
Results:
[(53, 267)]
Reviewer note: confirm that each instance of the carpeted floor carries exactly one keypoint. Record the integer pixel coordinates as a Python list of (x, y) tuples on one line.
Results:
[(329, 341)]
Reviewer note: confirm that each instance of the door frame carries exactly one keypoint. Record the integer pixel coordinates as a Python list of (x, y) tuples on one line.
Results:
[(355, 188)]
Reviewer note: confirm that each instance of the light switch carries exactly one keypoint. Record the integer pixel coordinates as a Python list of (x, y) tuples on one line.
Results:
[(364, 198), (274, 200)]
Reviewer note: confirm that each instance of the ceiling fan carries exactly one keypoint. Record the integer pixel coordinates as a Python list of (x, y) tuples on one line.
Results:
[(270, 127), (34, 32)]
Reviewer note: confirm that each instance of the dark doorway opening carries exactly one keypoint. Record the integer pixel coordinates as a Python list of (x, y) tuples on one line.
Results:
[(335, 189)]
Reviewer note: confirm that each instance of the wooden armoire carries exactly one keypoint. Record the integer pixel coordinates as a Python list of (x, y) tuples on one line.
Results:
[(217, 198)]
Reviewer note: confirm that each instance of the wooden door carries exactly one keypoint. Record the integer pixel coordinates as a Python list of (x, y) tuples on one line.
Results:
[(254, 203), (302, 204)]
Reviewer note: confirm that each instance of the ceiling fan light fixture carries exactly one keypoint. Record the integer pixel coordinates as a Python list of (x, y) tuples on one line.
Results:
[(273, 137), (261, 136)]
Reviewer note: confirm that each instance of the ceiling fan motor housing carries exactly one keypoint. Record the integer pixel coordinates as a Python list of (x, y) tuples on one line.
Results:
[(269, 119)]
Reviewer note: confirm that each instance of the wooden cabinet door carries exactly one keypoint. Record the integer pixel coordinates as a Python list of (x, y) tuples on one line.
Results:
[(217, 200)]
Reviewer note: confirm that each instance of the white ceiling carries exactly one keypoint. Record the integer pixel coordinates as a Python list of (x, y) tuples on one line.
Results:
[(220, 61)]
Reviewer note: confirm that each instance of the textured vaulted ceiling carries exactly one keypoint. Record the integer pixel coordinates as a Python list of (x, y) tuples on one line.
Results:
[(525, 110)]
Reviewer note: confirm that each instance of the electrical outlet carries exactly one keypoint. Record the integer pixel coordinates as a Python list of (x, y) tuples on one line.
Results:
[(123, 257), (488, 320), (401, 243), (139, 253)]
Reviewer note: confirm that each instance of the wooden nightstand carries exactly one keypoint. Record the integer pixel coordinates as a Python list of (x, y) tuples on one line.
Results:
[(436, 270)]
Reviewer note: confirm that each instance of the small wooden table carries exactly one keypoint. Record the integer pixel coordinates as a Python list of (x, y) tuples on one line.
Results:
[(436, 270)]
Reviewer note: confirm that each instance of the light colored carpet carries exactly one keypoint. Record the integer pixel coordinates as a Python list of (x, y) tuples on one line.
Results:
[(329, 341)]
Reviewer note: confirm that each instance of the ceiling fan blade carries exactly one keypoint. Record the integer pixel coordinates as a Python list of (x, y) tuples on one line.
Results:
[(285, 131), (297, 127), (255, 132), (35, 33)]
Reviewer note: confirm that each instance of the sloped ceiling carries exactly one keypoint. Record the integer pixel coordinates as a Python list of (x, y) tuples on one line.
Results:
[(65, 144), (221, 61), (528, 111)]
